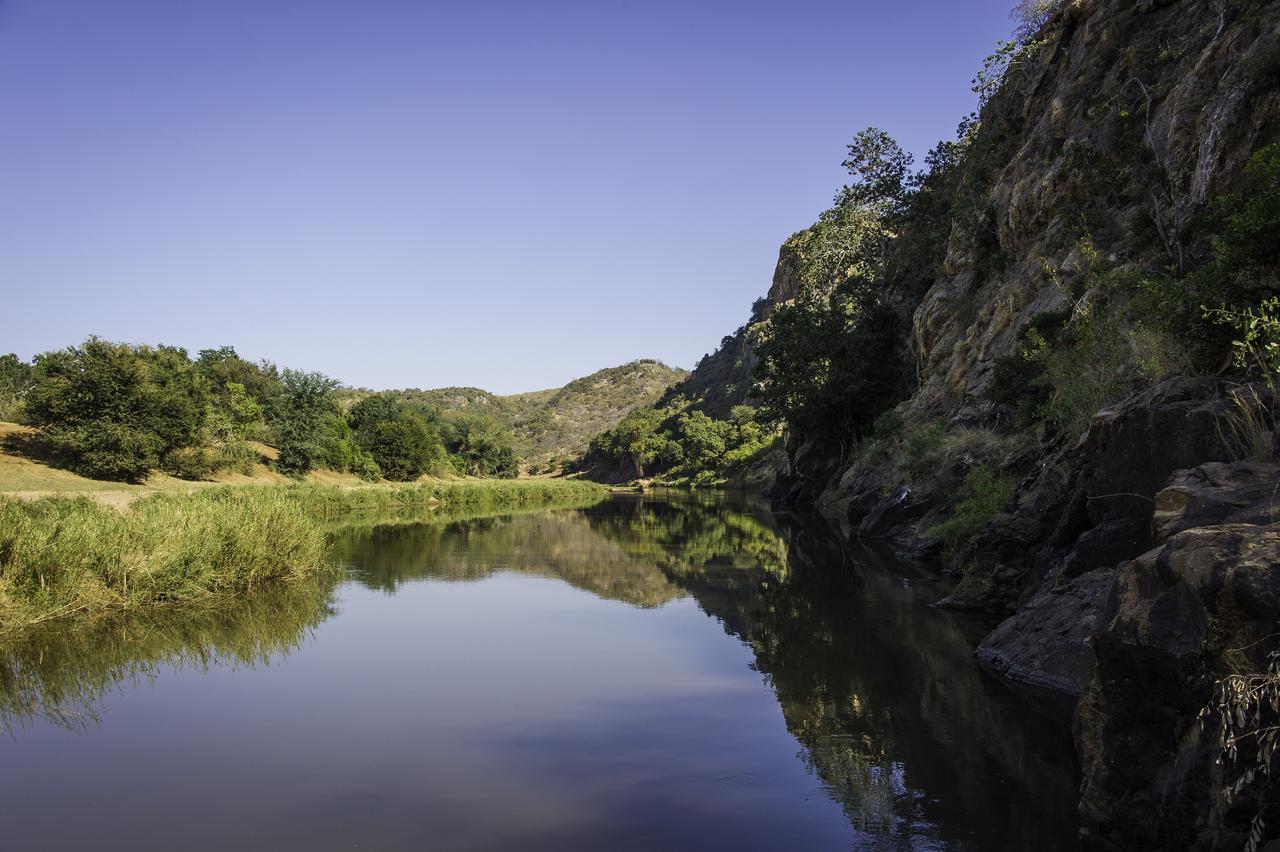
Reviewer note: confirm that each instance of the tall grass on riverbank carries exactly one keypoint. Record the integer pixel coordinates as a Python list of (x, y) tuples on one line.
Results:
[(61, 557), (446, 496)]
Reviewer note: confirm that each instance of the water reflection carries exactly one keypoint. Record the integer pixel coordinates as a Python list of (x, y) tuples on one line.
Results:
[(59, 672), (879, 691)]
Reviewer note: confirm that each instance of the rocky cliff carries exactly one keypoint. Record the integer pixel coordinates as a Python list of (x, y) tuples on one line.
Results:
[(1133, 562)]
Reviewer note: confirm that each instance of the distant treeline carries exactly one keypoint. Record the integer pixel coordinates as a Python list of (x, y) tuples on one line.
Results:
[(119, 411)]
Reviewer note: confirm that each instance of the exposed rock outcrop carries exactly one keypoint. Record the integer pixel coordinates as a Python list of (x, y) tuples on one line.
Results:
[(1046, 643), (1175, 619), (1129, 562), (1216, 493), (1090, 506)]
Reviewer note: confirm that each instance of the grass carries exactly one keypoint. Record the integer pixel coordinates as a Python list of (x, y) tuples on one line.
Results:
[(985, 493), (65, 556), (24, 473)]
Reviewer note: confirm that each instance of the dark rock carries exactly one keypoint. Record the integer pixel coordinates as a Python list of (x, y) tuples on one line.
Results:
[(1106, 545), (1046, 643), (1237, 493), (1205, 603), (893, 516), (1090, 506)]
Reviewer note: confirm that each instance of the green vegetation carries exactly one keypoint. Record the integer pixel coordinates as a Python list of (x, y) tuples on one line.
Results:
[(542, 429), (984, 494), (115, 411), (481, 445), (67, 556), (1134, 326), (835, 357), (62, 556), (119, 412), (15, 381), (679, 444), (403, 443)]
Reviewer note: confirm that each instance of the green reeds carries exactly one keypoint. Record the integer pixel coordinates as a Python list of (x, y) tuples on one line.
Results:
[(66, 556)]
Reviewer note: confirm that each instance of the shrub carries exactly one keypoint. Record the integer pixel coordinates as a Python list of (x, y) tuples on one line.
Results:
[(110, 410), (16, 379), (481, 445), (1020, 379), (984, 493), (189, 462), (236, 456), (920, 450), (403, 448), (104, 450)]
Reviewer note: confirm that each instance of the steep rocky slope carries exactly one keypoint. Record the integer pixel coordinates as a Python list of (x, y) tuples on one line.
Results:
[(1135, 562)]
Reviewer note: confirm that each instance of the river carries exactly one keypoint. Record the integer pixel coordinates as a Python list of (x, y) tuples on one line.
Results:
[(671, 672)]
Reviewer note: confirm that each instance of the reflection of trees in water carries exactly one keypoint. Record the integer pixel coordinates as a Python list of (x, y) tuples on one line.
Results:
[(60, 672), (549, 544), (894, 717), (686, 534), (879, 690)]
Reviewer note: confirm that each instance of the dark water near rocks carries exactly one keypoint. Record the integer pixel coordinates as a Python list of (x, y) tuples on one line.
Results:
[(665, 674)]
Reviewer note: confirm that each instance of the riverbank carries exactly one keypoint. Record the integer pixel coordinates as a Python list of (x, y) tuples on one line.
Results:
[(69, 556)]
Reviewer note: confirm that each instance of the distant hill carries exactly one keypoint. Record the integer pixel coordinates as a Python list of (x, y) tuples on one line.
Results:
[(553, 424)]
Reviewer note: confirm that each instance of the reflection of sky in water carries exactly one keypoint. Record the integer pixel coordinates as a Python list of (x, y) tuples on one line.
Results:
[(514, 711)]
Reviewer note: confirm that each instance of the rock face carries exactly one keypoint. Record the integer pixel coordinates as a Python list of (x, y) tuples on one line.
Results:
[(1203, 603), (1131, 561), (1046, 643), (1180, 86), (1209, 494), (1090, 506)]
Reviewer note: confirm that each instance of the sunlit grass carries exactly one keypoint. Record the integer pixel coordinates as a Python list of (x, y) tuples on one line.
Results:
[(63, 556)]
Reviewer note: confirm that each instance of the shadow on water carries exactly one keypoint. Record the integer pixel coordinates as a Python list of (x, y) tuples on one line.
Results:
[(879, 690)]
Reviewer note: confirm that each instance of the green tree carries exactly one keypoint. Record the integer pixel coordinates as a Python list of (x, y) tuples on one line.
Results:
[(402, 442), (704, 439), (223, 367), (302, 414), (636, 438), (878, 166), (829, 367), (373, 410), (404, 447), (16, 379), (481, 445), (115, 411)]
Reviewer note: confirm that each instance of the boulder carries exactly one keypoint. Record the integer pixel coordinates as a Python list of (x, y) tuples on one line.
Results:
[(1216, 493), (1204, 604), (1046, 643)]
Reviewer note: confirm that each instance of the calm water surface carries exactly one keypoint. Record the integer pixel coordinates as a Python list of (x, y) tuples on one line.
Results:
[(666, 674)]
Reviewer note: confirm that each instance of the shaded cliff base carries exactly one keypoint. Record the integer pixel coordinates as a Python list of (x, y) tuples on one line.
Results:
[(1130, 572)]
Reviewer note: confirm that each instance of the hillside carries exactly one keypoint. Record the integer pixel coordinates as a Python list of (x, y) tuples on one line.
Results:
[(555, 424)]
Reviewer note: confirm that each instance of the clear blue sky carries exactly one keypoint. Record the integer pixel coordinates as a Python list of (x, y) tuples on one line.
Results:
[(411, 193)]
